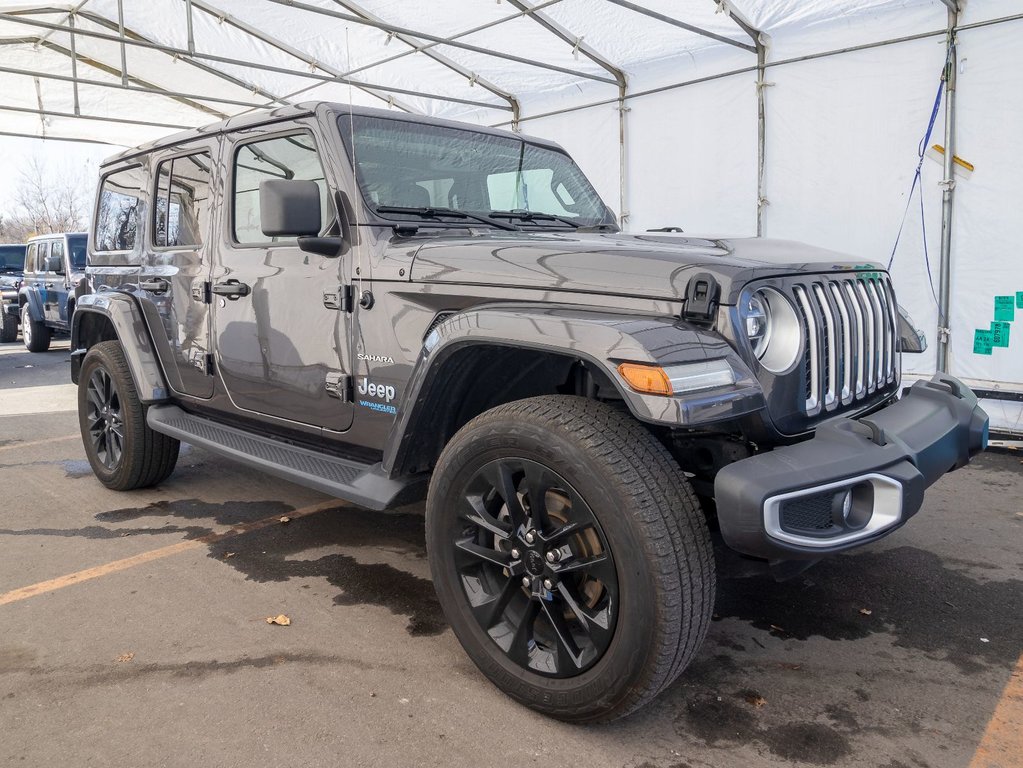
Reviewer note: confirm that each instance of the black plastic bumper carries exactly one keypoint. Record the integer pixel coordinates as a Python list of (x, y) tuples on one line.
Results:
[(855, 481)]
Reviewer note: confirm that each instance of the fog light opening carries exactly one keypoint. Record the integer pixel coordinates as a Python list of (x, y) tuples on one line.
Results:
[(854, 506)]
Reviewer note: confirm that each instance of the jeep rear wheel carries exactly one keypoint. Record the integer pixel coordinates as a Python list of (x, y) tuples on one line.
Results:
[(9, 329), (570, 556), (34, 333), (123, 451)]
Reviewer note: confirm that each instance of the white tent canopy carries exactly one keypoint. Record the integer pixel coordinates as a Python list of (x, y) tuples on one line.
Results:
[(796, 119)]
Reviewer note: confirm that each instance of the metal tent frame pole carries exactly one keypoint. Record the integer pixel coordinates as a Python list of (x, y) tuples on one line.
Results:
[(948, 185)]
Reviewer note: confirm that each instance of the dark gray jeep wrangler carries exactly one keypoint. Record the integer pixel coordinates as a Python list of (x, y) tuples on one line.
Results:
[(366, 303)]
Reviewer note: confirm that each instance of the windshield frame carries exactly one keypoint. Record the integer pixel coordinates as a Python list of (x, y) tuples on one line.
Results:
[(371, 217)]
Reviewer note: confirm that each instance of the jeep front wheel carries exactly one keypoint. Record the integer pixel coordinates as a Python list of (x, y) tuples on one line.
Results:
[(9, 329), (34, 333), (570, 556), (123, 451)]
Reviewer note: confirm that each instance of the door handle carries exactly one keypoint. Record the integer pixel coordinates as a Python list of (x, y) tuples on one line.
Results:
[(232, 289), (159, 285), (49, 285)]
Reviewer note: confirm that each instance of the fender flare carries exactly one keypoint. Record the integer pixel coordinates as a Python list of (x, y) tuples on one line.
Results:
[(30, 299), (123, 313), (600, 338)]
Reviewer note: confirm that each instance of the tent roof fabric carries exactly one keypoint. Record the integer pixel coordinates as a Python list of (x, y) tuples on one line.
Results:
[(128, 71)]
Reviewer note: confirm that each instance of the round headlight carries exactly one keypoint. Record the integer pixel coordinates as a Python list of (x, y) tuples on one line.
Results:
[(773, 329)]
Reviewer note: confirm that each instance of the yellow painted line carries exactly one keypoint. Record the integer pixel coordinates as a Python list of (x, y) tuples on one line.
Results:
[(1002, 745), (38, 442), (23, 593)]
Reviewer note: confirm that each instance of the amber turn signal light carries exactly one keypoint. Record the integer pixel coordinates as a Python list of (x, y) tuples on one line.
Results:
[(648, 379)]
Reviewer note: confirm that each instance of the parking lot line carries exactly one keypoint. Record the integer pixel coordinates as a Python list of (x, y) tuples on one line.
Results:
[(1002, 744), (23, 593)]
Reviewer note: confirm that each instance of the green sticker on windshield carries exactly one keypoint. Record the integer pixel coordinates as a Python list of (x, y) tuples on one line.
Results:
[(1005, 309), (1000, 334), (982, 342)]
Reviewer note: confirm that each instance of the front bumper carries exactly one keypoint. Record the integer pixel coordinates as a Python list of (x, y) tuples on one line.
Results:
[(855, 481), (9, 302)]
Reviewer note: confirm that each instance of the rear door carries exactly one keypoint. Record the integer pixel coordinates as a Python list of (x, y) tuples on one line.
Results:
[(279, 350), (176, 265), (57, 285)]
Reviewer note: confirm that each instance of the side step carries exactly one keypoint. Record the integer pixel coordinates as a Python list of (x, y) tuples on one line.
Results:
[(362, 484)]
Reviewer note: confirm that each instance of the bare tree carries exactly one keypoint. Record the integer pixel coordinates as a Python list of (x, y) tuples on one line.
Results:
[(47, 199)]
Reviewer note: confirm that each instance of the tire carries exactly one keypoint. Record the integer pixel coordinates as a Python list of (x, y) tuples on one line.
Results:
[(123, 451), (638, 533), (9, 329), (34, 333)]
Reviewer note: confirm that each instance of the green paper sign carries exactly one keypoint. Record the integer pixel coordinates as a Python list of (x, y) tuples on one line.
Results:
[(1005, 308), (982, 342), (1019, 299), (1000, 334)]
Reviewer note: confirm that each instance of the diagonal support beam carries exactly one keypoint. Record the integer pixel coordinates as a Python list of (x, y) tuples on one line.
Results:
[(681, 24), (440, 58), (448, 41), (280, 45)]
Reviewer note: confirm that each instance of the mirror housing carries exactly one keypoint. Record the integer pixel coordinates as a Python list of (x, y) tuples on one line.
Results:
[(331, 247), (289, 208), (911, 339)]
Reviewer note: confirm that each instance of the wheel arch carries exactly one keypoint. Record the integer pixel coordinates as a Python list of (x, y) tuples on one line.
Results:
[(491, 355), (116, 317)]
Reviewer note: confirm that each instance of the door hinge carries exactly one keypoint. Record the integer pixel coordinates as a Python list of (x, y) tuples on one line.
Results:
[(339, 385), (209, 364), (203, 292), (342, 299)]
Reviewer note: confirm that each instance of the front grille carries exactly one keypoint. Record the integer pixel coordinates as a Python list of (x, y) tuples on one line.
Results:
[(850, 339), (810, 514)]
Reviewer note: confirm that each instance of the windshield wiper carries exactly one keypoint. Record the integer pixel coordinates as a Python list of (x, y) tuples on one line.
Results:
[(436, 213), (532, 216)]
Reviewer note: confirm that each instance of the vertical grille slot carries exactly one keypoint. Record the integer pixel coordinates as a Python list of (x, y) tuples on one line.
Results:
[(850, 339)]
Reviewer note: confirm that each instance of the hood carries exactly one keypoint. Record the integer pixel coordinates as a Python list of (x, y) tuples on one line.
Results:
[(650, 265)]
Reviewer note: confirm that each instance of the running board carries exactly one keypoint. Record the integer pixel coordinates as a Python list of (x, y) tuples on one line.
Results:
[(362, 484)]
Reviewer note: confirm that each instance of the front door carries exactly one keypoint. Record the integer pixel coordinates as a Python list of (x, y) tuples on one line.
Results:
[(176, 268), (278, 347)]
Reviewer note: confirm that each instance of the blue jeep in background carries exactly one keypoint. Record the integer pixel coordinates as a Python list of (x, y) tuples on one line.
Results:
[(54, 275), (12, 262)]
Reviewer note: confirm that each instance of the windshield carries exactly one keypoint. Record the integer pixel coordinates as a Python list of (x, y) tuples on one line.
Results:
[(12, 257), (76, 246), (402, 164)]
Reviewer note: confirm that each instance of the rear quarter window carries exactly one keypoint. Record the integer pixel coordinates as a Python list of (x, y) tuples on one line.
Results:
[(118, 211)]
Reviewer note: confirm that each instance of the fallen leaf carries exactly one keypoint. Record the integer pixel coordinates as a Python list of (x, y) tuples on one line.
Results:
[(229, 554), (280, 620), (754, 699), (984, 640), (285, 519), (866, 611), (126, 657), (776, 628)]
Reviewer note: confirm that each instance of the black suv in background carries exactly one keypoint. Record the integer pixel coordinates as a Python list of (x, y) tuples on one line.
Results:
[(366, 302), (12, 263), (54, 276)]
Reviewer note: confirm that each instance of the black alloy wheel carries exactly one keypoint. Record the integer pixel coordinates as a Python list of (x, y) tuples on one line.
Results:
[(104, 418), (570, 556), (536, 568)]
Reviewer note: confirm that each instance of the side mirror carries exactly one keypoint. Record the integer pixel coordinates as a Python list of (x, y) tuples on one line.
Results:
[(289, 208), (910, 338), (54, 264)]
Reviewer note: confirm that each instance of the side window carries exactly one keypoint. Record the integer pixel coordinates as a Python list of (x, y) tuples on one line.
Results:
[(117, 216), (57, 248), (42, 252), (182, 209), (284, 157), (30, 258)]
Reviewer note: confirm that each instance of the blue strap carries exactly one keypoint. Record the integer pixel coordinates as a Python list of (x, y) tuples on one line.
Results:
[(921, 151)]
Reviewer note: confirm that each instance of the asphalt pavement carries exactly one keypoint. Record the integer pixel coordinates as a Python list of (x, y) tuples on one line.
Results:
[(133, 630)]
